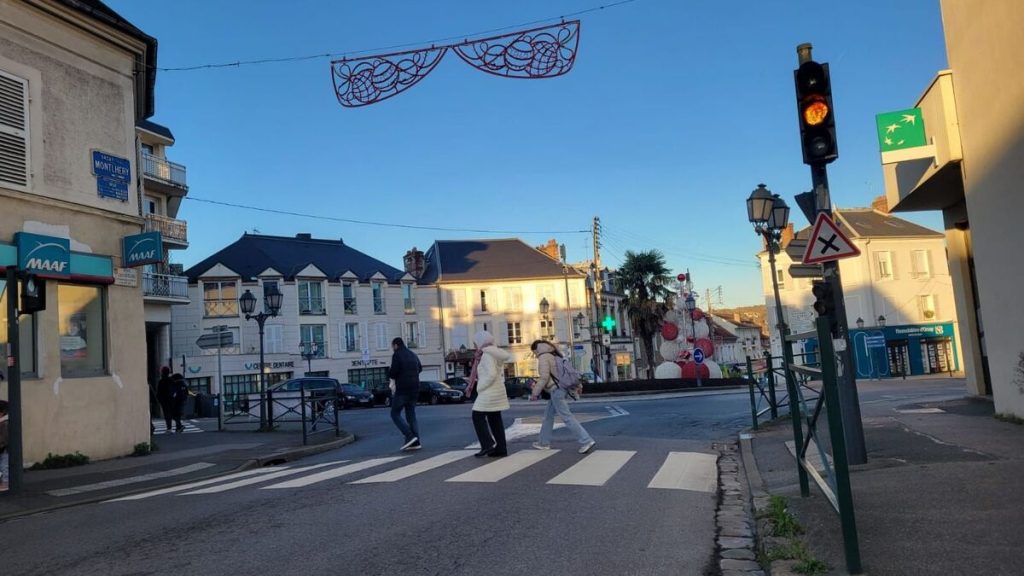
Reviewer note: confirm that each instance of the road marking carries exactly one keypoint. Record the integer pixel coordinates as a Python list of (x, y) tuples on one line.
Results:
[(922, 411), (595, 469), (504, 467), (191, 485), (416, 467), (131, 480), (616, 411), (258, 479), (160, 427), (687, 471), (519, 429), (330, 474)]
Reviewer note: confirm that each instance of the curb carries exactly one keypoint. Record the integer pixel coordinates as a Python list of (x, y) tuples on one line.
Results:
[(735, 532), (280, 456)]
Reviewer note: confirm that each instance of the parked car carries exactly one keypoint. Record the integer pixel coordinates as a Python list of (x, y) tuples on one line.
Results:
[(382, 394), (352, 395), (435, 392), (461, 384), (518, 386), (286, 394)]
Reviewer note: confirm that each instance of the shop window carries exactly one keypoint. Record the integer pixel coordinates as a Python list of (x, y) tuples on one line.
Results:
[(26, 337), (82, 330), (369, 378), (198, 385)]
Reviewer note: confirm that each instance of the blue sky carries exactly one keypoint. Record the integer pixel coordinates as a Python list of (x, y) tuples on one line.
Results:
[(674, 112)]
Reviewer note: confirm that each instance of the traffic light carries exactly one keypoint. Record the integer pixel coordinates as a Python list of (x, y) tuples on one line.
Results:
[(825, 303), (817, 117), (33, 295)]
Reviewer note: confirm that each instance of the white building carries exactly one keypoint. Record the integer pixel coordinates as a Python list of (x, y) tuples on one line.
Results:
[(899, 288), (748, 337), (340, 307)]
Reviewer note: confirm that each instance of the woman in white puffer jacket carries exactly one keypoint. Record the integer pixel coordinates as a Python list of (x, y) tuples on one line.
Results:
[(488, 377)]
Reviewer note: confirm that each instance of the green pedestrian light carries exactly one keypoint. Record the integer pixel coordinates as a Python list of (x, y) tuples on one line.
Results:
[(608, 323)]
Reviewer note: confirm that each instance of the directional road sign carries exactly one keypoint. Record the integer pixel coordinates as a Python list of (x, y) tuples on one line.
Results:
[(796, 248), (827, 243), (698, 355), (806, 271)]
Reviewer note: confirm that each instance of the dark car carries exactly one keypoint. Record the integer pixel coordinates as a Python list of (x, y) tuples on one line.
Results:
[(436, 392), (518, 386), (382, 394), (352, 395), (458, 383), (287, 393)]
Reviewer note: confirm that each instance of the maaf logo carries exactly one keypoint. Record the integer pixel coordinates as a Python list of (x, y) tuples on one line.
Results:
[(52, 264), (144, 249)]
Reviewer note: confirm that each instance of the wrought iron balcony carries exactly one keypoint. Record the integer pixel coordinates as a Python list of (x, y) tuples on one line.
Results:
[(164, 170), (312, 306), (165, 287), (172, 231)]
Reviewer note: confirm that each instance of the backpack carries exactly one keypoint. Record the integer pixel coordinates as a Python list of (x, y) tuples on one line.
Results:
[(565, 375)]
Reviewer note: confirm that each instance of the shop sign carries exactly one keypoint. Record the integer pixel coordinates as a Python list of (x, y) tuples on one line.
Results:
[(270, 365), (368, 362), (140, 249), (47, 256), (126, 277)]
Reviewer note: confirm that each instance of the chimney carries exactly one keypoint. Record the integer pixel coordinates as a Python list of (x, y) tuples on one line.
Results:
[(787, 235), (414, 262), (552, 250), (880, 204)]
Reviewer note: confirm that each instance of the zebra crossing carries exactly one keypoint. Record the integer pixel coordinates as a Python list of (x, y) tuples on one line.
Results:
[(686, 471), (160, 427)]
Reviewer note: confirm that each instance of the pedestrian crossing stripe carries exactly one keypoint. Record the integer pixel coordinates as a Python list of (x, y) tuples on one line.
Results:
[(685, 471), (160, 427)]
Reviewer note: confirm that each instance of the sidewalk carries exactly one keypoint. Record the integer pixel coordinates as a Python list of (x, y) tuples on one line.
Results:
[(940, 494), (180, 458)]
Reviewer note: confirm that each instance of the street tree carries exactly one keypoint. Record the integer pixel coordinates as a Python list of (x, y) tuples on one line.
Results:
[(645, 279)]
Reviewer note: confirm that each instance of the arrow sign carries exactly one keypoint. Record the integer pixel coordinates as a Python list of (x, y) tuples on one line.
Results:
[(698, 355), (828, 243)]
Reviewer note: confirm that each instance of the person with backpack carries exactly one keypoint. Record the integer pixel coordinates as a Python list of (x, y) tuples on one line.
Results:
[(560, 380), (487, 379)]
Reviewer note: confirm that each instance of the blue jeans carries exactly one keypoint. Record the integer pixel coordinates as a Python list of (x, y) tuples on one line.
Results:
[(408, 402), (559, 405)]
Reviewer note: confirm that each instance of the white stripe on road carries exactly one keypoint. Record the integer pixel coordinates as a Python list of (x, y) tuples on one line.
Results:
[(330, 474), (595, 469), (191, 485), (519, 429), (922, 411), (687, 471), (258, 479), (616, 411), (504, 467), (417, 467), (131, 480)]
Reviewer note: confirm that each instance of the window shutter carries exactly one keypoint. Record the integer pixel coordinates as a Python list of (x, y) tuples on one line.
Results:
[(422, 335), (14, 149), (364, 338)]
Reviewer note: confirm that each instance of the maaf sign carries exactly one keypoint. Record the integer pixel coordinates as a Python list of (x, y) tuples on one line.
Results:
[(140, 249), (45, 256)]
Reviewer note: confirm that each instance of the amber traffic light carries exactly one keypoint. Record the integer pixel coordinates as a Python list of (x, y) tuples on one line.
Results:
[(816, 114)]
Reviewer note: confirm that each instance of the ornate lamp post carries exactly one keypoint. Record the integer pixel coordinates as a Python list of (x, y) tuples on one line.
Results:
[(860, 322), (881, 321), (545, 308), (309, 351), (770, 215), (271, 305)]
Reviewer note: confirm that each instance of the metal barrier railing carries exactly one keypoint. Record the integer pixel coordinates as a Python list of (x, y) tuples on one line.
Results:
[(317, 411)]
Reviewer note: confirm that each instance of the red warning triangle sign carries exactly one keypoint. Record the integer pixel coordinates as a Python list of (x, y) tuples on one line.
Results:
[(827, 242)]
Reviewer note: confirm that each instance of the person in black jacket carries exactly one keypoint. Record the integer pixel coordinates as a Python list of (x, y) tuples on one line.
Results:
[(405, 371), (165, 395)]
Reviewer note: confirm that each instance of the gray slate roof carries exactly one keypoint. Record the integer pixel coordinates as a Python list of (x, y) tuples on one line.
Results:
[(867, 223), (253, 253), (488, 260)]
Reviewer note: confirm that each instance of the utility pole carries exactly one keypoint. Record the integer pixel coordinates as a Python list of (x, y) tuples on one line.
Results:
[(598, 290)]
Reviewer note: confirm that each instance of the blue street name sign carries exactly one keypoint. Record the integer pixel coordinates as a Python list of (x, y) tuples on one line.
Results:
[(46, 256), (111, 188), (113, 175), (698, 355), (139, 249)]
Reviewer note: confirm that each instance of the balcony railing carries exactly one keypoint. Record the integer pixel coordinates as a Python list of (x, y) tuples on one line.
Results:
[(220, 308), (170, 229), (164, 286), (163, 169), (312, 306)]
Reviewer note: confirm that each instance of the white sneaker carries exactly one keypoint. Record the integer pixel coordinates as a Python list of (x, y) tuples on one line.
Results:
[(415, 441), (587, 447), (540, 446)]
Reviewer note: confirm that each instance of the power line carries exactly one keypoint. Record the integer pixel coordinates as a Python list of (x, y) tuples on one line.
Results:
[(722, 260), (388, 48), (384, 224)]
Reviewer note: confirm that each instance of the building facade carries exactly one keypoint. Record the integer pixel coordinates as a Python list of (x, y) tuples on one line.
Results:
[(971, 172), (75, 81), (340, 311), (898, 292)]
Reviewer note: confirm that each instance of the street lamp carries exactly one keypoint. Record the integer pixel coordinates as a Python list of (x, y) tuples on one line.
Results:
[(309, 351), (770, 215), (691, 305), (271, 305), (545, 307), (881, 321), (860, 322)]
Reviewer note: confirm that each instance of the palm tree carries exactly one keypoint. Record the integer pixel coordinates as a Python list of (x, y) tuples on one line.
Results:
[(645, 279)]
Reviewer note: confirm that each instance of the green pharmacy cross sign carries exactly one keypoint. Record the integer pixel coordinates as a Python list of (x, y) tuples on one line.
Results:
[(608, 323), (901, 129)]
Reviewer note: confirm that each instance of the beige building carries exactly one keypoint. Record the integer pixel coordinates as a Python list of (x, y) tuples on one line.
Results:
[(75, 80), (972, 171)]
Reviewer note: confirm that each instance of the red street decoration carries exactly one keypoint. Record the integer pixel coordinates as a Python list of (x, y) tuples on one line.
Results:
[(544, 52), (669, 331), (697, 314), (690, 370), (707, 346), (681, 277), (689, 339)]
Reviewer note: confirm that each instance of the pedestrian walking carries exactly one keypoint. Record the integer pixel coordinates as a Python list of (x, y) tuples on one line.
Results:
[(165, 395), (487, 379), (558, 404), (405, 371), (5, 475), (179, 391)]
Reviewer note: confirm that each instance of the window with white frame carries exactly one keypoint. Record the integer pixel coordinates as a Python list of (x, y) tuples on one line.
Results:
[(348, 295), (14, 132), (311, 298), (352, 337), (457, 300), (380, 333), (378, 298), (927, 304), (412, 334), (220, 299), (273, 341), (883, 265), (513, 299), (780, 277), (312, 334), (920, 264), (82, 330), (547, 329), (515, 333), (409, 297)]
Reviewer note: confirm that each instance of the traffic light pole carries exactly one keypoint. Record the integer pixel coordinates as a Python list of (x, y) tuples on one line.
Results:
[(849, 398)]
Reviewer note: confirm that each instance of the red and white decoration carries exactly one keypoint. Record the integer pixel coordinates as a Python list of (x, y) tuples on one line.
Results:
[(681, 332)]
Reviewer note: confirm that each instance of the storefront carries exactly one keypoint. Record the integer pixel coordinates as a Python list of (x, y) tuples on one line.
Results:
[(909, 350)]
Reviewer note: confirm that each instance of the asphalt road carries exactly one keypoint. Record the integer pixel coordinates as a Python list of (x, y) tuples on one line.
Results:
[(601, 516)]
